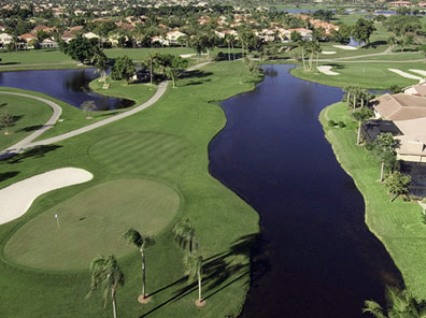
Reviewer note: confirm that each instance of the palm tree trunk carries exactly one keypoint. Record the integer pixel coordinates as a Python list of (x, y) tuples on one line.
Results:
[(382, 170), (143, 273), (114, 309), (151, 73), (229, 51), (303, 59), (199, 285), (358, 137)]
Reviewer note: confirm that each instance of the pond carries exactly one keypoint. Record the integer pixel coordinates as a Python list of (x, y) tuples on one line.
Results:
[(70, 86), (316, 256)]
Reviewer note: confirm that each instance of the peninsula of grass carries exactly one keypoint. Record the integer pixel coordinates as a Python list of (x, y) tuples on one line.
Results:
[(370, 75), (26, 116), (167, 145), (399, 225)]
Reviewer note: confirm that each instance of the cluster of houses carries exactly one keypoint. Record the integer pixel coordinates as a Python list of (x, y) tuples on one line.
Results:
[(168, 37)]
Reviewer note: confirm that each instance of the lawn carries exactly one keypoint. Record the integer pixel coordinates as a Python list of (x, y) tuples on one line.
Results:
[(166, 144), (363, 74), (399, 225), (28, 114)]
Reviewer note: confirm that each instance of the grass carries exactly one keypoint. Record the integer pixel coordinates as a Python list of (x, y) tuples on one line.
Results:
[(224, 224), (397, 224), (91, 223), (28, 115), (365, 75)]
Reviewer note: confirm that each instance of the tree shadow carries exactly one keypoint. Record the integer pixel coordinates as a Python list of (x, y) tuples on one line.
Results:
[(7, 175), (195, 74), (31, 128), (219, 272), (36, 152), (9, 63)]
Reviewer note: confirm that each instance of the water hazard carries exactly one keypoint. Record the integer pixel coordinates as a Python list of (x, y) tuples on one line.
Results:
[(70, 86), (316, 257)]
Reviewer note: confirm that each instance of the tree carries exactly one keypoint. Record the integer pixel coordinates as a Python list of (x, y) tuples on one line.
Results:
[(193, 268), (363, 30), (100, 61), (173, 65), (152, 62), (361, 115), (123, 69), (384, 147), (201, 43), (400, 304), (397, 184), (88, 107), (184, 235), (7, 121), (80, 49), (141, 242), (230, 40), (106, 275), (313, 48)]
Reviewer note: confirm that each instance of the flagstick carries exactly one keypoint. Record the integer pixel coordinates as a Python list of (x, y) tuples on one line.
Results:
[(57, 220)]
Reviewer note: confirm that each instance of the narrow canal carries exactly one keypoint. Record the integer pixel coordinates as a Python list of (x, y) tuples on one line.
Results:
[(315, 257)]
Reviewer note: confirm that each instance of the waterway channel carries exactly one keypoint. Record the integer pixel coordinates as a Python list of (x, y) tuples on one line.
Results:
[(316, 256)]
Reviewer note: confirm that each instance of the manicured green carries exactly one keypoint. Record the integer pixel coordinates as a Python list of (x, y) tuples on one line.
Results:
[(28, 114), (91, 223), (399, 225), (182, 124), (363, 74)]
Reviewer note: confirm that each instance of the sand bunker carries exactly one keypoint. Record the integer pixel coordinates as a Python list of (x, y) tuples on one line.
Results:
[(346, 47), (328, 52), (326, 69), (421, 72), (17, 198), (405, 74)]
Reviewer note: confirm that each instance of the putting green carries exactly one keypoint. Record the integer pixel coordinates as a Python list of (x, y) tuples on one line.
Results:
[(143, 153), (92, 223)]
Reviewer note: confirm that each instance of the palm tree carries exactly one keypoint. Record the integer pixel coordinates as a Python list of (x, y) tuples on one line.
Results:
[(193, 268), (230, 40), (106, 275), (400, 304), (184, 235), (141, 242), (153, 60), (313, 48)]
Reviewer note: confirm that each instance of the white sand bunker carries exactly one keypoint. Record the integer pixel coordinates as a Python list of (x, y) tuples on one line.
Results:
[(346, 47), (405, 74), (185, 56), (421, 72), (17, 198), (328, 52), (326, 69)]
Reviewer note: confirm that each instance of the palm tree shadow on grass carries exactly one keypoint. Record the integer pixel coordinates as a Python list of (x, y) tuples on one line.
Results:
[(8, 175), (219, 272), (36, 152)]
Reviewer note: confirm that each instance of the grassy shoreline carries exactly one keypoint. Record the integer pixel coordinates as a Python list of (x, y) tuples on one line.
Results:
[(398, 225)]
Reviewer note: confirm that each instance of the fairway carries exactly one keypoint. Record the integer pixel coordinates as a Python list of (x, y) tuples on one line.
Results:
[(92, 223), (147, 153)]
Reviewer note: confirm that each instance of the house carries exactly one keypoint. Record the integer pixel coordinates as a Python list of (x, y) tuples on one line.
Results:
[(90, 35), (399, 4), (5, 39), (305, 33), (48, 44), (399, 107), (28, 37), (67, 36), (173, 36), (416, 90)]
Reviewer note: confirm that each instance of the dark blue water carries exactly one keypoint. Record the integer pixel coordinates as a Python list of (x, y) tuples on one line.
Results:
[(70, 86), (315, 257)]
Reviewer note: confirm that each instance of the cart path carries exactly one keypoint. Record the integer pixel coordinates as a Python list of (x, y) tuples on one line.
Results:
[(57, 110)]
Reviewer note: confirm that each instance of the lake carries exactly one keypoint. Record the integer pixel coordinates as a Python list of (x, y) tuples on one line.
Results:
[(70, 86)]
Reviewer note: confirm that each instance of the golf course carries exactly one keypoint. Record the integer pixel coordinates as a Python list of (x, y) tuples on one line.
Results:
[(150, 170)]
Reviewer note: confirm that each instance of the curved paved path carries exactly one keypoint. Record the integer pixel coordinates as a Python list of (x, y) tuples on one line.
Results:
[(57, 110)]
